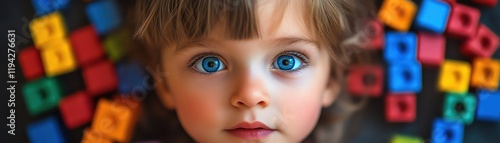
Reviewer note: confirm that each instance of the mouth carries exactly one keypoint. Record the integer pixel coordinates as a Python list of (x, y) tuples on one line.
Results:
[(251, 130)]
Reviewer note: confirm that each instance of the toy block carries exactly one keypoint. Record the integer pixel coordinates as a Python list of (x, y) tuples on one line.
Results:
[(374, 32), (432, 16), (104, 15), (406, 139), (485, 73), (46, 130), (130, 76), (100, 78), (58, 59), (459, 107), (484, 44), (43, 7), (454, 76), (86, 44), (116, 44), (431, 48), (76, 110), (450, 1), (400, 107), (400, 47), (365, 80), (90, 136), (42, 95), (447, 131), (488, 3), (115, 120), (47, 28), (405, 77), (487, 105), (397, 14), (463, 21), (31, 63)]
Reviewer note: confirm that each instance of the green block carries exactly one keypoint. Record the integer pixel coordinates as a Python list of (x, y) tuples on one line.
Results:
[(459, 107), (116, 44), (406, 139), (42, 95)]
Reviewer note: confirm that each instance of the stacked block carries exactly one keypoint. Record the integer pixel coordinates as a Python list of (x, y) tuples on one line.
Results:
[(58, 57), (104, 15), (397, 14), (405, 77), (432, 16), (487, 106), (459, 107), (400, 107), (47, 28), (400, 47), (46, 130), (431, 48), (485, 73), (447, 131), (86, 45), (365, 80), (115, 119), (483, 44), (42, 95), (454, 76), (100, 78), (76, 109), (463, 21), (31, 63)]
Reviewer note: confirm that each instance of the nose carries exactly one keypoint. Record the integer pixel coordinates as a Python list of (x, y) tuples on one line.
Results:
[(250, 91)]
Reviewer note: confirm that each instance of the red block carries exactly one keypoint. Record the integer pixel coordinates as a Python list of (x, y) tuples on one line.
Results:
[(451, 1), (431, 48), (365, 80), (463, 21), (100, 78), (31, 63), (86, 45), (374, 31), (76, 110), (400, 107), (488, 3), (484, 44)]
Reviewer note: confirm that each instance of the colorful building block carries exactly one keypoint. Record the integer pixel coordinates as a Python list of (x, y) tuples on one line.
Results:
[(90, 136), (31, 63), (116, 44), (47, 28), (400, 47), (400, 107), (100, 78), (483, 44), (43, 7), (365, 80), (488, 3), (406, 139), (76, 110), (485, 73), (130, 75), (374, 32), (463, 21), (459, 107), (487, 105), (104, 15), (447, 131), (433, 16), (431, 48), (115, 120), (454, 76), (86, 44), (46, 130), (397, 14), (405, 77), (58, 58), (42, 95), (450, 1)]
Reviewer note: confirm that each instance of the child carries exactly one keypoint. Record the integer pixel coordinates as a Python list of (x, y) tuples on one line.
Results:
[(248, 71)]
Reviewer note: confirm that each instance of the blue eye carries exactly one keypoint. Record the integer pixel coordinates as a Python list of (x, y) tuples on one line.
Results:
[(209, 65), (287, 63)]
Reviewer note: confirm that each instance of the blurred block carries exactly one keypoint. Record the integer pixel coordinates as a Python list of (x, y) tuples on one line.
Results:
[(459, 107), (58, 59), (42, 95), (400, 107), (487, 106), (405, 77), (483, 44), (463, 21), (46, 130), (400, 47), (397, 14), (454, 76), (90, 136), (485, 73), (100, 78), (431, 49), (130, 76), (450, 1), (374, 31), (116, 44), (86, 44), (47, 28), (104, 15), (488, 3), (115, 120), (406, 139), (31, 63), (365, 80), (432, 16), (76, 110), (447, 131), (43, 7)]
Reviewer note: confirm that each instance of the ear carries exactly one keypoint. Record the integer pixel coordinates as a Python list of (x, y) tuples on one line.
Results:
[(164, 94), (330, 93)]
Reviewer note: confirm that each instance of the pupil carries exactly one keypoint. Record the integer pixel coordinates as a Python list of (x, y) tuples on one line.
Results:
[(285, 62), (211, 64)]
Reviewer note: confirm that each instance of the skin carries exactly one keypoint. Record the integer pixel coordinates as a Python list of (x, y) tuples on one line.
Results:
[(249, 88)]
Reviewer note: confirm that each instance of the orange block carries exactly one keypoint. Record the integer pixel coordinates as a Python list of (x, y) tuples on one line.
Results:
[(116, 119), (90, 136), (454, 76), (485, 73), (47, 28), (397, 14)]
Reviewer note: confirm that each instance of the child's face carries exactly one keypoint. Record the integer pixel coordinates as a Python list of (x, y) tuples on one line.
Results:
[(223, 89)]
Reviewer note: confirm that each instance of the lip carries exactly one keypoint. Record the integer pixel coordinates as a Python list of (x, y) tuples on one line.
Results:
[(251, 130)]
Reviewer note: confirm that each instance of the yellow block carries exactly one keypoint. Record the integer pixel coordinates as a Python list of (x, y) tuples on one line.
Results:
[(398, 14), (90, 136), (485, 73), (47, 28), (57, 57), (115, 119), (454, 76)]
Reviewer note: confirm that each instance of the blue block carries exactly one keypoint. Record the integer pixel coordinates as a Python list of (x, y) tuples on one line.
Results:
[(405, 77), (131, 77), (488, 108), (45, 131), (400, 46), (104, 15), (43, 7), (447, 131), (432, 16)]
